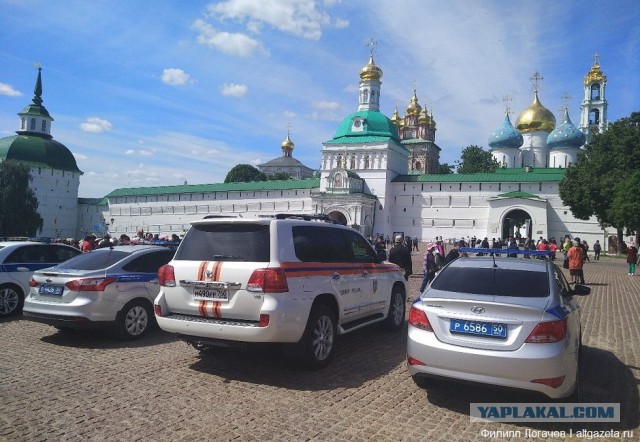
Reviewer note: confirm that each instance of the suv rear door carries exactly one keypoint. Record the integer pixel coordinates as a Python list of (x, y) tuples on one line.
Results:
[(212, 266)]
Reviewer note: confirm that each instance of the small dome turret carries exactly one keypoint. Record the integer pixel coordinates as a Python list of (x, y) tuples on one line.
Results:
[(565, 134), (371, 71), (414, 108), (505, 135), (287, 146)]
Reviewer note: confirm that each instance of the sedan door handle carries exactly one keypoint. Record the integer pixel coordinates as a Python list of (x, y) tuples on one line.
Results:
[(23, 269)]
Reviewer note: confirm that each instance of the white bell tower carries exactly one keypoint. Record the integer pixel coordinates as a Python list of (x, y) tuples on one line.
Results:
[(593, 114)]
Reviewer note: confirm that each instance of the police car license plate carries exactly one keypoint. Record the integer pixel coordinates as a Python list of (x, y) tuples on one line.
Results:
[(207, 293), (55, 290), (490, 329)]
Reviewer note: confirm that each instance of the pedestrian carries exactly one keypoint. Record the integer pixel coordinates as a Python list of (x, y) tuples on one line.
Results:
[(632, 257), (89, 243), (597, 248), (576, 259), (429, 266), (401, 256), (454, 253), (415, 243), (585, 247)]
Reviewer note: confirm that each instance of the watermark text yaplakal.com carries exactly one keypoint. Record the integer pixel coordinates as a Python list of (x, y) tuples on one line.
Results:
[(532, 412)]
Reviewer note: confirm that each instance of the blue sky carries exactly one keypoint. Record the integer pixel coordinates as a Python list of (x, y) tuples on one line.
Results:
[(163, 92)]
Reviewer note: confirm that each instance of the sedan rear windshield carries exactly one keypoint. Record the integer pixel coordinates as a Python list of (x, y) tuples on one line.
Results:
[(493, 282), (95, 260), (225, 242)]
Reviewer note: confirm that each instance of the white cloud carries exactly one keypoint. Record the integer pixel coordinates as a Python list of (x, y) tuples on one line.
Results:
[(130, 152), (7, 89), (79, 156), (289, 114), (232, 44), (326, 105), (175, 77), (341, 23), (297, 17), (145, 153), (95, 125), (234, 90)]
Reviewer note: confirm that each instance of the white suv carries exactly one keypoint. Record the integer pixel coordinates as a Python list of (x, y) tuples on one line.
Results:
[(290, 279)]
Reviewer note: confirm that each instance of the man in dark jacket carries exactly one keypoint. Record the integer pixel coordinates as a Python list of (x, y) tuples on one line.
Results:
[(401, 256)]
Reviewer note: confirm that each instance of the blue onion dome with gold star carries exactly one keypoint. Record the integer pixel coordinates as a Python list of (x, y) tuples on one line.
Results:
[(33, 143), (565, 135), (506, 135), (535, 118)]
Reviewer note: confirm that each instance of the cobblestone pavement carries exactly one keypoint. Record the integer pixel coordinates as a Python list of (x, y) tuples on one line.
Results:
[(85, 386)]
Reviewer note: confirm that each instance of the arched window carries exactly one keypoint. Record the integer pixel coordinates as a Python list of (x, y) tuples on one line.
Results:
[(594, 116), (44, 126), (366, 162), (365, 96), (352, 163), (23, 125), (33, 124), (595, 91)]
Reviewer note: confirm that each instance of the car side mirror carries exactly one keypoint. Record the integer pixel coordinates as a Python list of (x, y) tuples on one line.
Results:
[(580, 290), (382, 255)]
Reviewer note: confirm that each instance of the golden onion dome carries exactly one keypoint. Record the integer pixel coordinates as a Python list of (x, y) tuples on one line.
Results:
[(423, 118), (595, 75), (287, 146), (371, 71), (535, 118), (396, 117), (414, 108)]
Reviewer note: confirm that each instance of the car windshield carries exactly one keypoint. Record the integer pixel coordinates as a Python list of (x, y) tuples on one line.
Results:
[(95, 260), (493, 282), (225, 242)]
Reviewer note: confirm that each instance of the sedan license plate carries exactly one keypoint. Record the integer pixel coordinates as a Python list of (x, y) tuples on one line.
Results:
[(208, 293), (55, 290), (490, 329)]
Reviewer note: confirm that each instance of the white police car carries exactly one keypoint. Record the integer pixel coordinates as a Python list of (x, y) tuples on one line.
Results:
[(109, 288), (18, 260)]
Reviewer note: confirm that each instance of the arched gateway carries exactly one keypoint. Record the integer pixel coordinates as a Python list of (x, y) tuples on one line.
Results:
[(517, 223)]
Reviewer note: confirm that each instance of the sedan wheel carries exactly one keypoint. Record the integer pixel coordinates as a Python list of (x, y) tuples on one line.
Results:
[(133, 321), (10, 301)]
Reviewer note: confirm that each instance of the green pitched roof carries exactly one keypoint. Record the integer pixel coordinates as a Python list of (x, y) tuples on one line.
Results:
[(518, 194), (499, 176), (311, 183)]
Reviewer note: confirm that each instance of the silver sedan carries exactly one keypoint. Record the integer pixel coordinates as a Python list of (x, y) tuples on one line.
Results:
[(109, 288), (507, 322)]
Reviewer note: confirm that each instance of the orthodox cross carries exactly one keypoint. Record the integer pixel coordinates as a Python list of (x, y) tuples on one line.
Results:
[(566, 99), (536, 78), (371, 45), (507, 106), (596, 59), (288, 126)]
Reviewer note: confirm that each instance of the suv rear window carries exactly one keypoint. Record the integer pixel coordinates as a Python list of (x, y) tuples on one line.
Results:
[(493, 282), (225, 242)]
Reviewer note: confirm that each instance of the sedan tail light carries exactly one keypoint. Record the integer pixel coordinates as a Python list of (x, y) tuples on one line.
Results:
[(33, 282), (271, 280), (166, 276), (546, 332), (418, 319), (90, 284)]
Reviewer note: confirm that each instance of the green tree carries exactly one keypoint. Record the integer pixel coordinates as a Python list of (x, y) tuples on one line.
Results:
[(475, 159), (445, 168), (244, 173), (18, 204), (601, 184)]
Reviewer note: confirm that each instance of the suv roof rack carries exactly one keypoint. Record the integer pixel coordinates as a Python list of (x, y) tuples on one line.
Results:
[(306, 217)]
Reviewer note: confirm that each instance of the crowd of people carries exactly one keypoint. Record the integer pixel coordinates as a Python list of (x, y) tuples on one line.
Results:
[(574, 253), (91, 241)]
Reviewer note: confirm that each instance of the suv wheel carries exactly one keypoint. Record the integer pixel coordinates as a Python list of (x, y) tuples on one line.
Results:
[(133, 321), (395, 316), (317, 341), (11, 300)]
